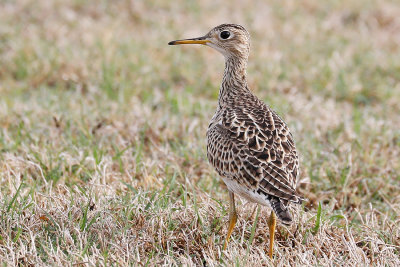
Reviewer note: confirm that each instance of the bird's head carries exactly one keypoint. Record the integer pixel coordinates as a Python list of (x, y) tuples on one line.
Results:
[(231, 40)]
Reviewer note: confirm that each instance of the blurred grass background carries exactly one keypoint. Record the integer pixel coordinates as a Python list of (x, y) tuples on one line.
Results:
[(102, 138)]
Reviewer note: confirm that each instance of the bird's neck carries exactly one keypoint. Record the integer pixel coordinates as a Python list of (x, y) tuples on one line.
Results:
[(234, 81)]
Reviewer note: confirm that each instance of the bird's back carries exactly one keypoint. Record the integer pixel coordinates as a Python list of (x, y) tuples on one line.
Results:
[(253, 150)]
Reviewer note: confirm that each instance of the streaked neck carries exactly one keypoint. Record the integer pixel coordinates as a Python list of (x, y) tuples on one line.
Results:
[(235, 79)]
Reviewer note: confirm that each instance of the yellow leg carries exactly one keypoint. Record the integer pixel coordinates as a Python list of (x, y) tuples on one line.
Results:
[(272, 226), (232, 218)]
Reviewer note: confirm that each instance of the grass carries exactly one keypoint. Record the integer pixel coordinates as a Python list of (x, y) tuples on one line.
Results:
[(102, 137)]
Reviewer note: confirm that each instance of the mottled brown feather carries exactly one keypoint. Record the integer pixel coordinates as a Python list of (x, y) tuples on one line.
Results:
[(259, 148), (248, 144)]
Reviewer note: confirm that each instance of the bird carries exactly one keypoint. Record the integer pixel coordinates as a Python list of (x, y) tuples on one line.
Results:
[(248, 144)]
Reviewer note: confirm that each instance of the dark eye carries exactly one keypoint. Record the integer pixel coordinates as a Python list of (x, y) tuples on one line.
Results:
[(225, 35)]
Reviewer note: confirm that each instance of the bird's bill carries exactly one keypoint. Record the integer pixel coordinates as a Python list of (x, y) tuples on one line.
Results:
[(199, 40)]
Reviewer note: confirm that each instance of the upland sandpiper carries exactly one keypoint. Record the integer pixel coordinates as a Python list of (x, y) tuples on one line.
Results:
[(248, 144)]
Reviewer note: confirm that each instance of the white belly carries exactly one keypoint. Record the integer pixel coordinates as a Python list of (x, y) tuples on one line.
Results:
[(236, 188)]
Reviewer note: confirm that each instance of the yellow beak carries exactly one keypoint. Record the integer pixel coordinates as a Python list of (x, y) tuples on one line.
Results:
[(200, 40)]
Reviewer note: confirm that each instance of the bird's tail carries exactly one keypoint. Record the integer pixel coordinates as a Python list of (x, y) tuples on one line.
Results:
[(281, 211)]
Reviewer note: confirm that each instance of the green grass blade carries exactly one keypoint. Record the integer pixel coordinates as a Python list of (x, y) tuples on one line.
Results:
[(14, 197)]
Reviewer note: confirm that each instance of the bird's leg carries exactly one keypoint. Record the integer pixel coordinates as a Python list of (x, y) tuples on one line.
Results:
[(232, 217), (271, 225)]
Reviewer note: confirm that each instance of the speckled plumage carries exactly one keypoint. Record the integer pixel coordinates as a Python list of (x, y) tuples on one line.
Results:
[(248, 144), (251, 148)]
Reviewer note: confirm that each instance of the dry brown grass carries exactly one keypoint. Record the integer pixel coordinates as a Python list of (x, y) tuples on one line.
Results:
[(102, 148)]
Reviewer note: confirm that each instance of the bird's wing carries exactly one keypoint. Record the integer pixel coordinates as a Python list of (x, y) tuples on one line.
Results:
[(266, 157)]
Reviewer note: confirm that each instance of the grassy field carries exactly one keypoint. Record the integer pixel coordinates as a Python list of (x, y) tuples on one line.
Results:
[(102, 132)]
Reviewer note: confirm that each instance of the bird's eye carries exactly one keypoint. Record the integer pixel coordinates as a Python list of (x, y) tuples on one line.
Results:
[(225, 34)]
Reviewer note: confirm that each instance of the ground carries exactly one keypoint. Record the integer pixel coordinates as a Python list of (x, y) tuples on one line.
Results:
[(102, 132)]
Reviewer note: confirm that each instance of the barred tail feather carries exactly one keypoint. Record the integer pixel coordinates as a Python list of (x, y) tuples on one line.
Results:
[(281, 210)]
